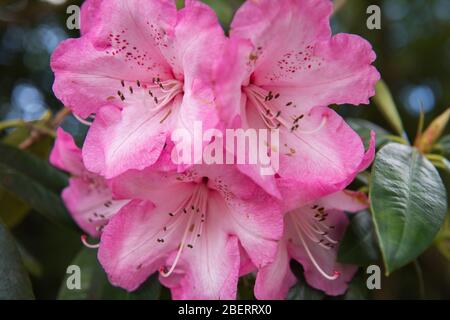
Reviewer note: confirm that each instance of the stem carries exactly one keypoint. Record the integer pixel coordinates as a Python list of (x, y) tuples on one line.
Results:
[(397, 139), (11, 124), (435, 157), (60, 116), (439, 165)]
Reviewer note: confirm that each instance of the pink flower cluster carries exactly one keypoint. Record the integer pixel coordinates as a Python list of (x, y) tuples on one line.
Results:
[(142, 69)]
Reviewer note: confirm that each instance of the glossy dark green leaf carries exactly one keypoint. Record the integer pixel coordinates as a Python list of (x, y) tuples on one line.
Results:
[(12, 210), (408, 202), (359, 244), (95, 285), (364, 127), (14, 281), (35, 195), (32, 166), (32, 265)]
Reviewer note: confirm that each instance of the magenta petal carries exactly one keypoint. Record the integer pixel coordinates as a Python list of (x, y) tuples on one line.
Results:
[(122, 140), (90, 203), (129, 251), (324, 258), (274, 281), (65, 155), (318, 159), (210, 270), (346, 200), (122, 46), (89, 15)]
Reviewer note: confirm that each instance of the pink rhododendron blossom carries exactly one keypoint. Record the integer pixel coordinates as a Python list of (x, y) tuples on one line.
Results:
[(281, 70), (143, 69), (88, 197), (192, 227), (311, 237)]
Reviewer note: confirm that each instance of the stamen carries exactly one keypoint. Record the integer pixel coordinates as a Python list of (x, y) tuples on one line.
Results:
[(335, 275), (88, 245), (273, 118), (193, 227), (83, 121)]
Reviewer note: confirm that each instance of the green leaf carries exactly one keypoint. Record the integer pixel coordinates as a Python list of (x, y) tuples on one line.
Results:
[(364, 127), (35, 195), (444, 145), (301, 291), (31, 264), (357, 288), (408, 202), (14, 281), (12, 210), (359, 244), (385, 103), (30, 165), (224, 10), (245, 287), (95, 285)]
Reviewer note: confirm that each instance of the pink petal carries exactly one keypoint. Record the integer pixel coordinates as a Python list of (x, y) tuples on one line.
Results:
[(90, 203), (366, 161), (370, 153), (318, 158), (129, 251), (151, 184), (276, 27), (247, 265), (122, 140), (274, 280), (346, 200), (124, 45), (294, 48), (325, 258), (197, 37), (231, 73), (193, 52), (236, 209), (257, 227), (89, 12), (65, 154), (211, 269), (252, 215)]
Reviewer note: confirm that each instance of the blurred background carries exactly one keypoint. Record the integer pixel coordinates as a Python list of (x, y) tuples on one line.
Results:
[(413, 49)]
